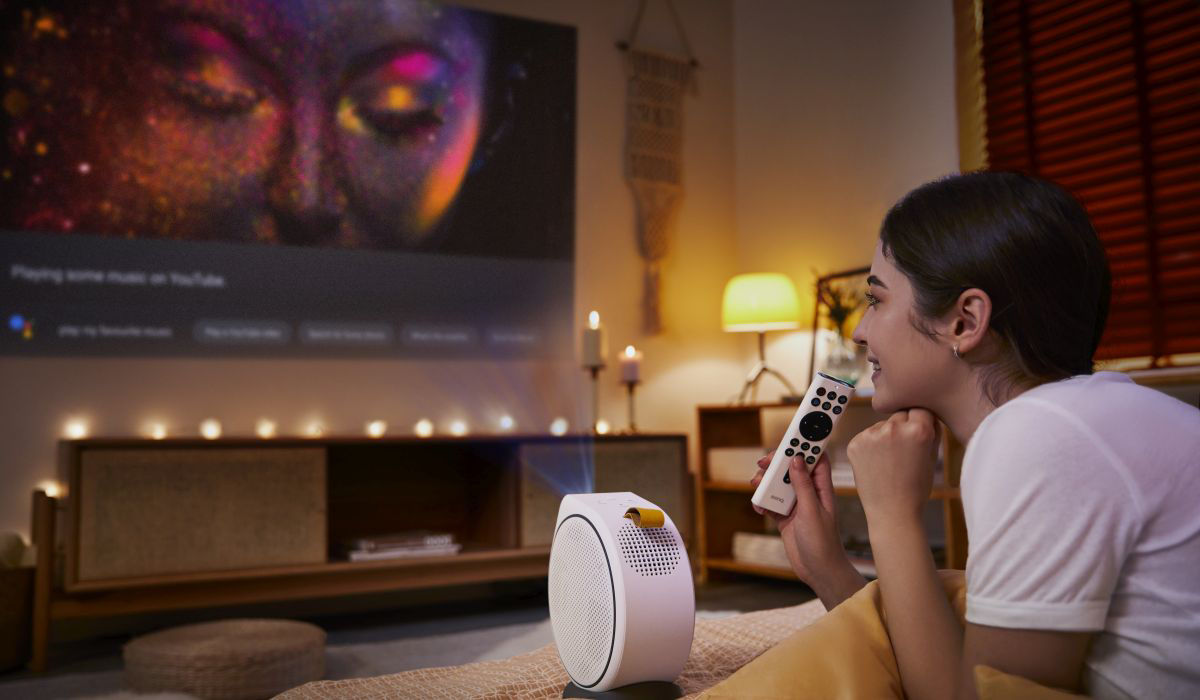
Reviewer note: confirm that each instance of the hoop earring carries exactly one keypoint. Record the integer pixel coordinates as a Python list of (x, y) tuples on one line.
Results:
[(956, 355)]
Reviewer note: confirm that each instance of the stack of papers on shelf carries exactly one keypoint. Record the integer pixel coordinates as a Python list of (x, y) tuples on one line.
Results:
[(413, 543), (764, 550), (842, 473)]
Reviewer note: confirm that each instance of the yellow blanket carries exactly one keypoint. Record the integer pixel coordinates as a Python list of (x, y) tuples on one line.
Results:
[(847, 654)]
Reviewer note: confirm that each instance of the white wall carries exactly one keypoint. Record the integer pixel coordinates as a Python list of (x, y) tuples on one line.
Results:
[(692, 363), (841, 108)]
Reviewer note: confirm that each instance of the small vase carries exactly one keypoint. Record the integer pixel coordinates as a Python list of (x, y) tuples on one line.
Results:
[(844, 359)]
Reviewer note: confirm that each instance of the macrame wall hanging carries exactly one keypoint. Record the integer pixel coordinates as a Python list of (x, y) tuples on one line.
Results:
[(654, 150)]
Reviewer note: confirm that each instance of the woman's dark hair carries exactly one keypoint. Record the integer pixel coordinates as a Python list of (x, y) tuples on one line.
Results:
[(1028, 244)]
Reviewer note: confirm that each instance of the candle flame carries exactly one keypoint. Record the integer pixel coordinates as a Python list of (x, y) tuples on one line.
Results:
[(594, 320)]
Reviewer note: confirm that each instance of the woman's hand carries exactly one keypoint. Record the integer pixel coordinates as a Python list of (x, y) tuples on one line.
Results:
[(809, 531), (893, 464)]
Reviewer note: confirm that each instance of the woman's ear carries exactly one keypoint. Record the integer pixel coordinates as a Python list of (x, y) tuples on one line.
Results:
[(969, 320)]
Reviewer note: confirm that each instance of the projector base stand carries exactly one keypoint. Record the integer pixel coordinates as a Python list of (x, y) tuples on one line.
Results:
[(646, 690)]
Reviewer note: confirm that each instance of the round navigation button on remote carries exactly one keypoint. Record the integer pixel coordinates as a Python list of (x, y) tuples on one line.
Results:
[(820, 391), (831, 396), (816, 402), (816, 450), (826, 405), (841, 399), (811, 460), (816, 426), (795, 442), (804, 446), (837, 410)]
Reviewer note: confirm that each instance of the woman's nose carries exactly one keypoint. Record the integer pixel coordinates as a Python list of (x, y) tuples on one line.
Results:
[(303, 191), (860, 332)]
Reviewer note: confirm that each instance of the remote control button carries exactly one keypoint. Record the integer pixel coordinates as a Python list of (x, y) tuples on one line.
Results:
[(816, 450), (804, 446), (820, 391), (795, 442), (837, 410), (816, 402), (816, 426), (811, 460), (841, 399), (789, 452), (831, 396), (826, 405)]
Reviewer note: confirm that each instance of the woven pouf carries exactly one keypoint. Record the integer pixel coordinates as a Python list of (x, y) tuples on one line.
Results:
[(228, 659)]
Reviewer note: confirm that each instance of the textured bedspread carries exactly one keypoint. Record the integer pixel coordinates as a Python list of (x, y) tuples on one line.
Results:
[(719, 648)]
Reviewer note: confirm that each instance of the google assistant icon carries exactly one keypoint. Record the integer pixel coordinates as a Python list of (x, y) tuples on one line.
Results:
[(19, 324)]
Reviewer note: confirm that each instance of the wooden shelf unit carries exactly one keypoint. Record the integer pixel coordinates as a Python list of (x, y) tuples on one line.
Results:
[(723, 506), (489, 491)]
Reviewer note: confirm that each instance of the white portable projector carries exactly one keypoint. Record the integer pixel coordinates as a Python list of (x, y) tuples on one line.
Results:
[(622, 602)]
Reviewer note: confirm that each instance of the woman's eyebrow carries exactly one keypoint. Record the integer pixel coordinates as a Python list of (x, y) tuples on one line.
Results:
[(876, 282)]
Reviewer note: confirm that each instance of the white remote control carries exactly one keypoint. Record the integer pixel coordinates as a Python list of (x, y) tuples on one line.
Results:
[(805, 437)]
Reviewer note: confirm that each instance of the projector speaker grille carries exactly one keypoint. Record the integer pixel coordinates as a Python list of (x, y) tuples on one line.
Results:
[(649, 551), (582, 601)]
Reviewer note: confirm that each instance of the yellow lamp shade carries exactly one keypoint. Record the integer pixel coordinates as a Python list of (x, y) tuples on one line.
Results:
[(760, 301)]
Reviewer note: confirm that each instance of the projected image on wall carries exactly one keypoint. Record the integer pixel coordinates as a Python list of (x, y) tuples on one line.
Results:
[(375, 177)]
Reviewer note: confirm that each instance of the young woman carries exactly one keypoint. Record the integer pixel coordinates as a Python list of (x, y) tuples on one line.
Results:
[(988, 295)]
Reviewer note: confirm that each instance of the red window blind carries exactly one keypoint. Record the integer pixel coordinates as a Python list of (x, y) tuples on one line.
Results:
[(1103, 97)]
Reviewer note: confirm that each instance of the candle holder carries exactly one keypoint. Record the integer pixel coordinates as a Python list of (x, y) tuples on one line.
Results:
[(594, 370), (630, 386)]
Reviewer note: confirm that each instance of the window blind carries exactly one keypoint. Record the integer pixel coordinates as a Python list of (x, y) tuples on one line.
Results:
[(1103, 97)]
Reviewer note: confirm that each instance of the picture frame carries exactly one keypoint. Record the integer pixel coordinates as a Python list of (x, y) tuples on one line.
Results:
[(840, 300)]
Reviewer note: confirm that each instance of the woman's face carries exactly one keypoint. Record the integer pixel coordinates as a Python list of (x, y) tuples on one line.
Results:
[(347, 123), (908, 364)]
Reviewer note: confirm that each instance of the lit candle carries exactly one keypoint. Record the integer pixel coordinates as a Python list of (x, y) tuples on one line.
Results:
[(594, 348), (631, 364)]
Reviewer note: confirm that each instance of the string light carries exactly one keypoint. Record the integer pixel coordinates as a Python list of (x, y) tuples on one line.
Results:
[(559, 426), (423, 428), (602, 427), (458, 428), (211, 429), (157, 431), (314, 429), (376, 428), (507, 423), (265, 428)]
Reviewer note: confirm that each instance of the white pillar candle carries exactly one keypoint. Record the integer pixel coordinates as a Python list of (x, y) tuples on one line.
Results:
[(631, 365), (594, 348)]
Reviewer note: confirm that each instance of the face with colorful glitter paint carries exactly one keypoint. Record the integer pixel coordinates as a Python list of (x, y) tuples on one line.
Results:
[(344, 123)]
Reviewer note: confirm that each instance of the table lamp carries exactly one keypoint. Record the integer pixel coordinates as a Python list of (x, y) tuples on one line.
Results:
[(759, 302)]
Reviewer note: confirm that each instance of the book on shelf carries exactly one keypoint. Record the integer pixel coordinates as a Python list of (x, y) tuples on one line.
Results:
[(397, 545), (760, 549), (405, 552), (408, 538)]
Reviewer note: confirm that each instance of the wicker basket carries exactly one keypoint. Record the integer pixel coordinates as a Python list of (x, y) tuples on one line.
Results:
[(227, 660)]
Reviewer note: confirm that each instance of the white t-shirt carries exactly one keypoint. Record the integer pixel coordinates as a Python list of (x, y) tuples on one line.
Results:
[(1082, 501)]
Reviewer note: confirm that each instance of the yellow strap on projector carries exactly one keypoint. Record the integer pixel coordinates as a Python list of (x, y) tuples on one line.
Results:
[(646, 517)]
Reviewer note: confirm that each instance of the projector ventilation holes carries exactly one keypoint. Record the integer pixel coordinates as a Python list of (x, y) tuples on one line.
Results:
[(650, 551)]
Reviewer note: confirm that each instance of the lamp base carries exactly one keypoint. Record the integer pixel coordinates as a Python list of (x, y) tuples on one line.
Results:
[(756, 374)]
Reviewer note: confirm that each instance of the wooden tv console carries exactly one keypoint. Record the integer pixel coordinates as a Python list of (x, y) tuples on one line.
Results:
[(155, 525)]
